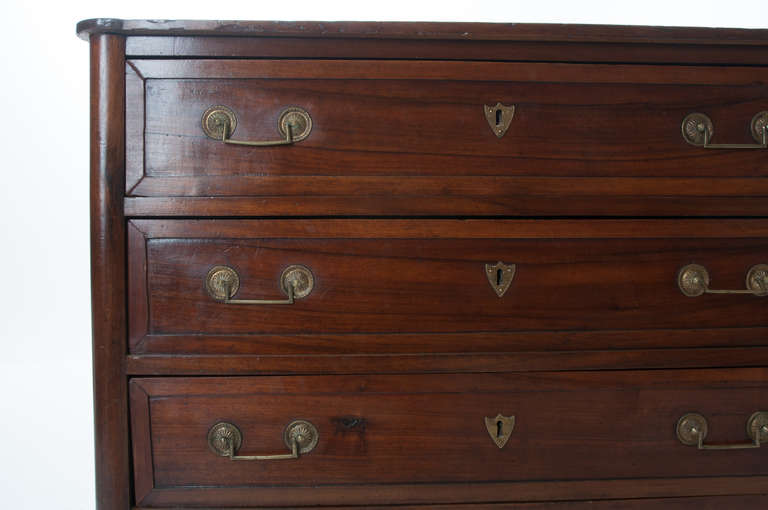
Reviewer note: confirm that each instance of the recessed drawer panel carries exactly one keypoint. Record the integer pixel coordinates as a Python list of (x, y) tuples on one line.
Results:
[(447, 138), (458, 438), (382, 286)]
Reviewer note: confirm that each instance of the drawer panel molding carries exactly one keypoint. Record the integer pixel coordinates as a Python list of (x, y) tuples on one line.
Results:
[(385, 287), (402, 431), (361, 128)]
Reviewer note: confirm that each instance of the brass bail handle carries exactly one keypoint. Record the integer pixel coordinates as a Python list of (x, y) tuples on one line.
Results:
[(698, 130), (692, 429), (223, 282), (693, 280), (219, 123), (225, 439)]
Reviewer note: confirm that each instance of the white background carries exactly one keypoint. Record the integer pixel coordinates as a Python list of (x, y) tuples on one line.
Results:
[(46, 447)]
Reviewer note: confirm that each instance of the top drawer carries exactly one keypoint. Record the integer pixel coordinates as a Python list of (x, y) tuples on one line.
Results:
[(427, 138)]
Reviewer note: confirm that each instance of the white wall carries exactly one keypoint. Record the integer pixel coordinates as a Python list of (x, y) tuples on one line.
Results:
[(45, 371)]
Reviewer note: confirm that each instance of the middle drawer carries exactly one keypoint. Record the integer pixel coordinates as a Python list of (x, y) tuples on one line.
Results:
[(444, 286)]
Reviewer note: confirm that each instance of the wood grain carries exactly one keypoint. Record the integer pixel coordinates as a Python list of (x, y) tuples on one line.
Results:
[(141, 434), (705, 503), (503, 197), (555, 493), (521, 361), (404, 430), (402, 347), (108, 272), (421, 144), (429, 30), (337, 228), (396, 292), (134, 128), (396, 49), (463, 71), (438, 41)]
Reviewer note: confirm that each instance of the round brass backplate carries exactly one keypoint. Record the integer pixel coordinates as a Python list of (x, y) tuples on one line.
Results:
[(694, 126), (216, 118), (300, 278), (758, 424), (222, 437), (303, 433), (690, 427), (758, 124), (757, 279), (298, 119), (693, 280), (219, 279)]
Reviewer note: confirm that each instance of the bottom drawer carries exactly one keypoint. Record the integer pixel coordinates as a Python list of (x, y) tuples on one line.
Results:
[(404, 439)]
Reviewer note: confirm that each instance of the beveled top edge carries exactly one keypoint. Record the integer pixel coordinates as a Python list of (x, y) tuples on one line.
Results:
[(429, 30)]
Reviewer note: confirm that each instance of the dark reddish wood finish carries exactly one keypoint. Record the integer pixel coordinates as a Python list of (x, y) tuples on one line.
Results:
[(108, 275), (574, 33), (420, 287), (422, 429), (421, 137), (134, 123), (552, 492), (706, 503), (420, 84), (523, 361), (527, 196), (518, 51)]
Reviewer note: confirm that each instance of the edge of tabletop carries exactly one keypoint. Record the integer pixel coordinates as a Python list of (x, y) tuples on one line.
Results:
[(513, 32)]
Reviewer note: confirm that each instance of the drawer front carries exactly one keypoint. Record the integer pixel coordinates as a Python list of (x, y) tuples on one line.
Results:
[(417, 287), (414, 138), (391, 439)]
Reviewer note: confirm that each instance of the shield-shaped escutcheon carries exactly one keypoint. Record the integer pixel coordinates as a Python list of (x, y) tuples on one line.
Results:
[(500, 428)]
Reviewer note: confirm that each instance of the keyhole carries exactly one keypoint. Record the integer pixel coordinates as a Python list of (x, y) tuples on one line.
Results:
[(499, 279), (498, 429), (498, 116)]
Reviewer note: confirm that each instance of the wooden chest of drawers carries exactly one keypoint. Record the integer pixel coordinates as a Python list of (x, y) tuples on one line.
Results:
[(476, 265)]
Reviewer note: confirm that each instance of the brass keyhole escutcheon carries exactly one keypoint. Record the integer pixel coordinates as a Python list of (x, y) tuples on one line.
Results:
[(499, 117), (500, 276), (500, 429)]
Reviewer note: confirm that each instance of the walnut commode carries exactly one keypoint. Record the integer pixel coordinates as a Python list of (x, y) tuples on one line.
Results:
[(490, 266)]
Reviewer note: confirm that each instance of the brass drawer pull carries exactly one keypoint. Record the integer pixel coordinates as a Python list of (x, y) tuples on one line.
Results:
[(692, 430), (698, 130), (225, 439), (223, 282), (693, 280), (294, 123)]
